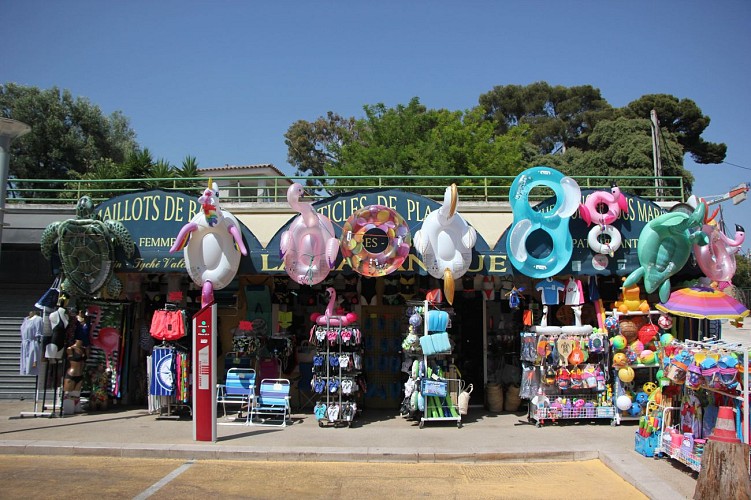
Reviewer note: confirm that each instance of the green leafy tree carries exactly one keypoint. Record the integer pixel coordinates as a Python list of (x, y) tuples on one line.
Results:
[(622, 148), (160, 172), (406, 140), (684, 119), (68, 134), (313, 147), (558, 117), (414, 141)]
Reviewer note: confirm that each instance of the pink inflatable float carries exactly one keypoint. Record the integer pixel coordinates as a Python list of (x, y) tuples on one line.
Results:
[(717, 258), (309, 247)]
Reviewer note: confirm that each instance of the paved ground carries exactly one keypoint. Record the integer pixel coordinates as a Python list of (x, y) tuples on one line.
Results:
[(378, 437), (142, 478), (485, 439)]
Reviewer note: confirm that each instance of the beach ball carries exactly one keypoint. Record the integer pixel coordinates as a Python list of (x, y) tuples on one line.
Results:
[(637, 346), (623, 402), (665, 322), (611, 324), (647, 357), (620, 359), (618, 342), (666, 339), (626, 374)]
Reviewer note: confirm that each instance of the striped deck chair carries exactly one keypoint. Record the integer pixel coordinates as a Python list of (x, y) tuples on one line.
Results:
[(272, 405), (238, 389)]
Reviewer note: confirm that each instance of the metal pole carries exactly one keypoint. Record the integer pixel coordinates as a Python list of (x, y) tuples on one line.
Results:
[(9, 130), (656, 154)]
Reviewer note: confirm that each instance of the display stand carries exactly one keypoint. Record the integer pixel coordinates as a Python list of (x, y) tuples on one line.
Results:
[(337, 366), (48, 367), (643, 373), (571, 389), (680, 447), (439, 392)]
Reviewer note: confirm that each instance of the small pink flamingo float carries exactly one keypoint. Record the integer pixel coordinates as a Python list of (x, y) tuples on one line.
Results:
[(590, 211), (332, 317)]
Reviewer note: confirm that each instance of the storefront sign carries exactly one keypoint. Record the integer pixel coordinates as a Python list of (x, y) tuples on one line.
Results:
[(154, 218), (412, 207)]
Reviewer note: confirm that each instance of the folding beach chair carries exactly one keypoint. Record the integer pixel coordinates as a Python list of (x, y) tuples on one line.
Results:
[(238, 389), (271, 406)]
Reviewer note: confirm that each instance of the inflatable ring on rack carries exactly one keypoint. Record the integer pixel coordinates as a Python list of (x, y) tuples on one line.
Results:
[(553, 222), (613, 200), (593, 238), (375, 240)]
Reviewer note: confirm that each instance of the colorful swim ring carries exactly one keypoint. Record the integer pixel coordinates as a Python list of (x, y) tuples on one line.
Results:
[(375, 240), (593, 238), (613, 200), (553, 222)]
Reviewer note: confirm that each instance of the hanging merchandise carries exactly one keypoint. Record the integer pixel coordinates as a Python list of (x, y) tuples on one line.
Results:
[(375, 240), (337, 368), (309, 247), (211, 244), (445, 243), (555, 222), (664, 248), (614, 202)]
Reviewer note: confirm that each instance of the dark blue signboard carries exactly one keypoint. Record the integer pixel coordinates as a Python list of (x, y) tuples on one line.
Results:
[(154, 218)]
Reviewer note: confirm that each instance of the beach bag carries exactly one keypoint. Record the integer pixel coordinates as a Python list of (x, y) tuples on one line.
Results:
[(50, 297), (463, 399)]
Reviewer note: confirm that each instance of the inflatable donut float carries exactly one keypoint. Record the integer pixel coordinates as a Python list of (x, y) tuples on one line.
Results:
[(554, 222), (375, 241), (593, 239), (613, 202)]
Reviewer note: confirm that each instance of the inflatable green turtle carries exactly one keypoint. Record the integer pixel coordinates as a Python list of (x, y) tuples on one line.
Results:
[(86, 247), (664, 247)]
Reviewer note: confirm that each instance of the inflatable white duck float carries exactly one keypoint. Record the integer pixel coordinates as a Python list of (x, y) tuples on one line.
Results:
[(212, 244), (309, 247), (445, 242)]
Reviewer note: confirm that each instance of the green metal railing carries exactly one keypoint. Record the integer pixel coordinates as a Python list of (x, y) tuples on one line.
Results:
[(273, 189)]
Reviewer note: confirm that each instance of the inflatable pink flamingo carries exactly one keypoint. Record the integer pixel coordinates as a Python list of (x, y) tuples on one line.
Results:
[(329, 318), (615, 203), (309, 247), (717, 258), (212, 245), (614, 200)]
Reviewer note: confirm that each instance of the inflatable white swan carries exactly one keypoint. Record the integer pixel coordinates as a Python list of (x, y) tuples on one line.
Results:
[(445, 242), (212, 245)]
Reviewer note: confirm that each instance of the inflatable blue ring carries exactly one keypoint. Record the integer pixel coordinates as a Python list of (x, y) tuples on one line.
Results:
[(554, 222)]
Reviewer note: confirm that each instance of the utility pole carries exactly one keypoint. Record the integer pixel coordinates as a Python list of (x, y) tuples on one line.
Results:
[(656, 154)]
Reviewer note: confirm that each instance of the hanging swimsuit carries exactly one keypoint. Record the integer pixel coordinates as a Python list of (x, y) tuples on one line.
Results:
[(368, 291)]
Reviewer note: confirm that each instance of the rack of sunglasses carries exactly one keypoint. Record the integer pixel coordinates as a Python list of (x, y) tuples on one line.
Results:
[(337, 378)]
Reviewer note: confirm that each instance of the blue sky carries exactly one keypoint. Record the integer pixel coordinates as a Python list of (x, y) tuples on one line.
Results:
[(224, 80)]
